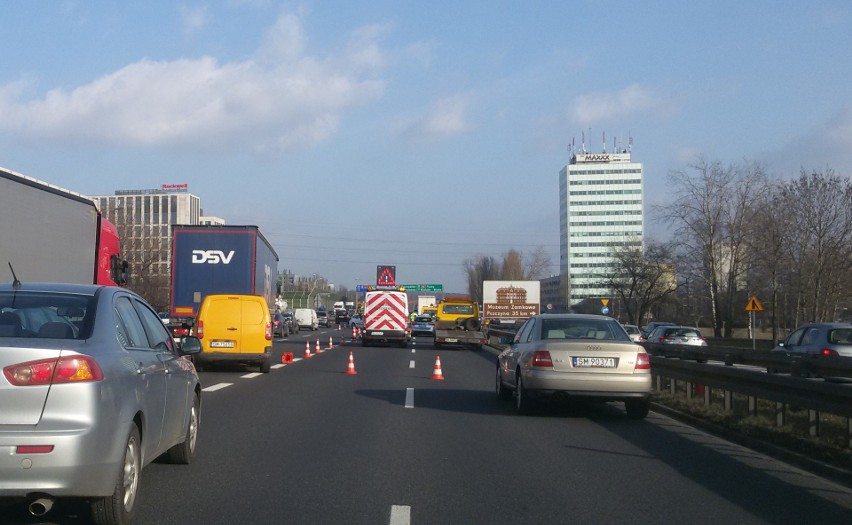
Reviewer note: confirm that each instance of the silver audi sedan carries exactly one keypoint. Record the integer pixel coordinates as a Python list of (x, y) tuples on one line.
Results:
[(579, 356), (93, 389)]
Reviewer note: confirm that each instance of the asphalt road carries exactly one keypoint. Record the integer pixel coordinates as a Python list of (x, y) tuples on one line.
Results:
[(310, 444)]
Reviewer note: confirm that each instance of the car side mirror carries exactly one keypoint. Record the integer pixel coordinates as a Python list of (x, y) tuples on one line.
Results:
[(190, 345)]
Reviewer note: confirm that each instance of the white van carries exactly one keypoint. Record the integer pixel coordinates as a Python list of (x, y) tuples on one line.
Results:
[(306, 318)]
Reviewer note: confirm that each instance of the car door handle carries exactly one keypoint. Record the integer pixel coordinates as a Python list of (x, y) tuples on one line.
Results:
[(231, 328)]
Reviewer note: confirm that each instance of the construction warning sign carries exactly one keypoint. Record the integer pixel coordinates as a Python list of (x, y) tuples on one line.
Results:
[(385, 275), (754, 305)]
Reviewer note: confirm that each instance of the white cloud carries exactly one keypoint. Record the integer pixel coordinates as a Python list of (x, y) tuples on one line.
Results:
[(591, 109), (279, 99), (826, 146), (446, 118), (193, 19)]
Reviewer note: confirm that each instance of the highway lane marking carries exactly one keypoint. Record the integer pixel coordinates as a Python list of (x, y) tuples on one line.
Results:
[(413, 350), (400, 515), (217, 386), (279, 365), (411, 364), (409, 398), (250, 375)]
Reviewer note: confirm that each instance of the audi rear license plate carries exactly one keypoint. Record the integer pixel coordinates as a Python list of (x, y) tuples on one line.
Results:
[(594, 362), (221, 344)]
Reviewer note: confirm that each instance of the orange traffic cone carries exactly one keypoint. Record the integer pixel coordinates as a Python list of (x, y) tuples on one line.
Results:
[(287, 358), (330, 343), (354, 333), (307, 350), (436, 372), (317, 347), (350, 370)]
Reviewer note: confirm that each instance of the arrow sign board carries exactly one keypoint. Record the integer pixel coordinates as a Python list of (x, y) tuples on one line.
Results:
[(754, 305)]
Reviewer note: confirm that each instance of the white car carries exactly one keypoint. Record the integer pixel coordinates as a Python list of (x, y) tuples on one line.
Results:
[(634, 332)]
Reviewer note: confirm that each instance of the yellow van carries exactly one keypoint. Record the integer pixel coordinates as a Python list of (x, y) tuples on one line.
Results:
[(234, 329)]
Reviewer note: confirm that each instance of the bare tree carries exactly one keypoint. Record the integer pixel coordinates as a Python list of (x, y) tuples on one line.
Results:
[(820, 247), (641, 279), (478, 269), (513, 267), (709, 212)]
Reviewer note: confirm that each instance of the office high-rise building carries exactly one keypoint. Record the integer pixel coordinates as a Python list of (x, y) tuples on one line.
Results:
[(600, 211)]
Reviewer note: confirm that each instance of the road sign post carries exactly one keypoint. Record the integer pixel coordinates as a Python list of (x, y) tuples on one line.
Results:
[(752, 307)]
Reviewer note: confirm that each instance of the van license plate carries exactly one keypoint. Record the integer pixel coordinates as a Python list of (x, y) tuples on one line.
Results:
[(377, 333), (221, 344)]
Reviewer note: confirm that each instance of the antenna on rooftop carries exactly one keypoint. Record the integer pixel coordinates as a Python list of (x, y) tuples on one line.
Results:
[(604, 141)]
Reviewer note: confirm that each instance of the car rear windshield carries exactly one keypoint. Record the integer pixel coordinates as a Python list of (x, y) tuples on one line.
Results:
[(840, 336), (681, 332), (46, 315), (582, 329)]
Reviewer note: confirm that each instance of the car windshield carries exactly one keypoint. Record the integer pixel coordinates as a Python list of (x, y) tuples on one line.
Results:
[(840, 336), (582, 329), (46, 315)]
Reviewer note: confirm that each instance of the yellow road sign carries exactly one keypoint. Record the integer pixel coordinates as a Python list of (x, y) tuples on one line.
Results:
[(604, 302), (754, 305)]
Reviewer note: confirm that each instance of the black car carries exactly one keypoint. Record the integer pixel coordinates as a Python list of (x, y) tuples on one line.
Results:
[(292, 325), (280, 326), (341, 317)]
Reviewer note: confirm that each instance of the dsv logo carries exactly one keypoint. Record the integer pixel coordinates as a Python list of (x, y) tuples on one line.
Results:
[(211, 257)]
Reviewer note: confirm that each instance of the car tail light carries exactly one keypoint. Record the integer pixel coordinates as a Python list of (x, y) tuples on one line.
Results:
[(69, 369), (277, 322), (199, 329), (542, 359), (827, 352), (268, 331), (643, 362), (663, 339), (181, 331), (641, 339), (33, 449)]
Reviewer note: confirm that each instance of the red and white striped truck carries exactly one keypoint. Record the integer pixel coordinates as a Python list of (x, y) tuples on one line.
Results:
[(386, 318)]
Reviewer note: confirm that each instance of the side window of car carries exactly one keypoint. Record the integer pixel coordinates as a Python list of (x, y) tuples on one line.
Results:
[(532, 330), (794, 338), (811, 336), (131, 328), (158, 336), (522, 331)]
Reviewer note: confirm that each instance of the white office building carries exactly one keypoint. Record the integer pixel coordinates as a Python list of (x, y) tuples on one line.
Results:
[(600, 210), (144, 219)]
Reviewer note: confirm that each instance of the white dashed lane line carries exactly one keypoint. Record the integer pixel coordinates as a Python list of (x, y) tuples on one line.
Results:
[(217, 386), (409, 398), (400, 515), (411, 364)]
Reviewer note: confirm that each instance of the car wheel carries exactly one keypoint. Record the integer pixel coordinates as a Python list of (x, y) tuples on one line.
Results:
[(502, 392), (266, 365), (637, 408), (119, 507), (182, 453), (523, 403)]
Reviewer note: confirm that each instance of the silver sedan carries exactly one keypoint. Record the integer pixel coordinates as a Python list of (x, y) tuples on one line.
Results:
[(575, 356), (93, 389)]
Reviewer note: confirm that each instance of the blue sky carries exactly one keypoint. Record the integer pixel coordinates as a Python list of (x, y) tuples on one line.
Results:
[(412, 133)]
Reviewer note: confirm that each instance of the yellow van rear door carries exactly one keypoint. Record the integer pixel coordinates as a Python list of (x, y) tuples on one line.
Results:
[(253, 328), (223, 325)]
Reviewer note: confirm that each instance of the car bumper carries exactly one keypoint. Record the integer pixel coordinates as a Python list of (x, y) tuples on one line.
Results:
[(84, 462), (597, 385), (232, 357)]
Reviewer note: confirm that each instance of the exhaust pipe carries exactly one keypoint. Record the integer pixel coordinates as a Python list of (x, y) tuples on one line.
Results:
[(41, 506)]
